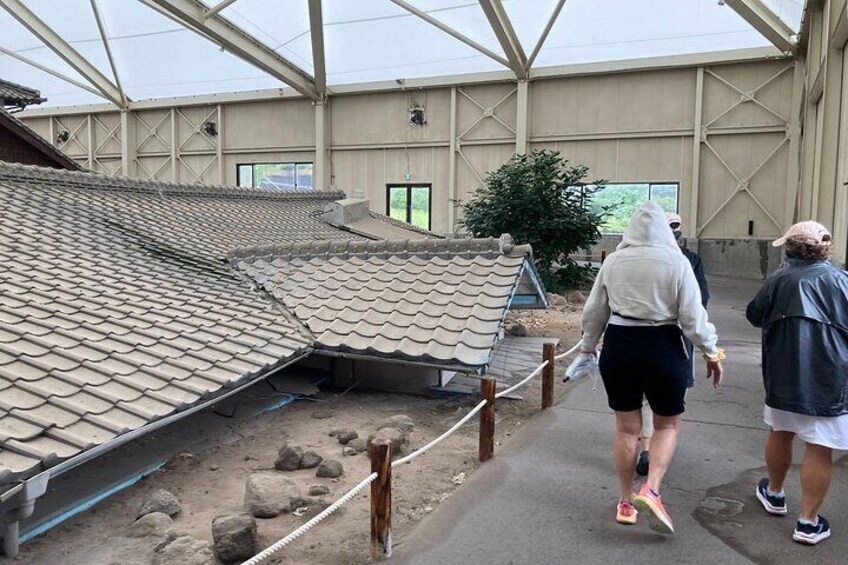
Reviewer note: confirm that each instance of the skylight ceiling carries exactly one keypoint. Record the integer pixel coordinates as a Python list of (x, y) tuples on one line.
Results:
[(366, 40)]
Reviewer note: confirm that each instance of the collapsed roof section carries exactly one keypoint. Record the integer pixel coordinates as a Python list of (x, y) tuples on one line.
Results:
[(437, 302)]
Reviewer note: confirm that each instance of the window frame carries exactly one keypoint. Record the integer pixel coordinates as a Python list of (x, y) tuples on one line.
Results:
[(651, 185), (253, 164), (409, 186)]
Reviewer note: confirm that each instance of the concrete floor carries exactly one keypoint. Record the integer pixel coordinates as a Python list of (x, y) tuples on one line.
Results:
[(548, 497)]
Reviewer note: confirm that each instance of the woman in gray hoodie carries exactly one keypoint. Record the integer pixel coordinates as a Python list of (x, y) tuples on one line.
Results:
[(644, 300)]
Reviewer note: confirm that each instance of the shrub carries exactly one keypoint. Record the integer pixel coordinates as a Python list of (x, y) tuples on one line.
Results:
[(540, 199)]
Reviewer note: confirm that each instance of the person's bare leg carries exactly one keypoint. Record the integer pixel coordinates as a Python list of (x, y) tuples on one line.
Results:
[(662, 448), (816, 470), (778, 458), (627, 428)]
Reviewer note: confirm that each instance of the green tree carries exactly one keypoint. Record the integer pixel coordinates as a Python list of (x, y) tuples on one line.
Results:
[(540, 199)]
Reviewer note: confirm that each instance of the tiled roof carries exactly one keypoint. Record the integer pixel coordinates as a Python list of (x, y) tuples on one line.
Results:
[(115, 309), (13, 94), (27, 135), (440, 302)]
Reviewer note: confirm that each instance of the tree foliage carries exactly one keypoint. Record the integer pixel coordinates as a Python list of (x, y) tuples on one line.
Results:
[(540, 199)]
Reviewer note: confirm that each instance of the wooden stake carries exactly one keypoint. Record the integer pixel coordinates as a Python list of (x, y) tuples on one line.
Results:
[(603, 256), (487, 420), (381, 499), (548, 350)]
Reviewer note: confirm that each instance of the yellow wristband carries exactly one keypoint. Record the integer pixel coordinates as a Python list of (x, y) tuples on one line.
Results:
[(720, 357)]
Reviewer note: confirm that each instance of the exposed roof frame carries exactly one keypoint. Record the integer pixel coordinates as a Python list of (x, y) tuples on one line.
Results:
[(507, 37), (106, 88), (191, 14), (316, 31), (217, 8), (450, 31), (551, 21), (49, 71), (765, 21), (101, 27)]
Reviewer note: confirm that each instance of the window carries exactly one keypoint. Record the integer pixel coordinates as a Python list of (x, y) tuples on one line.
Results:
[(409, 203), (626, 198), (279, 176)]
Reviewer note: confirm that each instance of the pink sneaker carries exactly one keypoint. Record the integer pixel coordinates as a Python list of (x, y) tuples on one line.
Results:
[(626, 513), (648, 501)]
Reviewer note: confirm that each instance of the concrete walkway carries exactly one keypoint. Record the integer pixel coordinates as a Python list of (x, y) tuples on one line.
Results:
[(548, 497)]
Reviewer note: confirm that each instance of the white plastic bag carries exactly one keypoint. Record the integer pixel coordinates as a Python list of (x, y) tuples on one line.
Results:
[(584, 365)]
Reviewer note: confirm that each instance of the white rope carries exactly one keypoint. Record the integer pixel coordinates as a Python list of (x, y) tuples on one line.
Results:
[(569, 352), (522, 383), (271, 550), (441, 438)]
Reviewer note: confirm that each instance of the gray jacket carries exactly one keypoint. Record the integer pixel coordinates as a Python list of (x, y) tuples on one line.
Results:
[(803, 310)]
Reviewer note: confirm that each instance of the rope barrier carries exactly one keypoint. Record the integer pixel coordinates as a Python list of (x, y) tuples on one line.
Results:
[(522, 383), (569, 352), (271, 550), (441, 438)]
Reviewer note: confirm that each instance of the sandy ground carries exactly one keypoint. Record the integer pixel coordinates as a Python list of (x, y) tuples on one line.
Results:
[(210, 479)]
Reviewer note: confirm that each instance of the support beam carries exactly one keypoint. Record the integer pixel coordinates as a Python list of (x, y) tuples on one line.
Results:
[(698, 135), (452, 149), (450, 31), (770, 26), (216, 9), (128, 144), (506, 35), (316, 29), (551, 21), (796, 147), (106, 88), (56, 74), (321, 167), (192, 14), (101, 27), (522, 117)]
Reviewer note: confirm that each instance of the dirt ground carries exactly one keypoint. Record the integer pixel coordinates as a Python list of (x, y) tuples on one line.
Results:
[(210, 479)]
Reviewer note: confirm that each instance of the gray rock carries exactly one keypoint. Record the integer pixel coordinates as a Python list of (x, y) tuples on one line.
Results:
[(517, 330), (322, 414), (153, 525), (310, 460), (319, 490), (289, 458), (160, 501), (359, 444), (268, 494), (182, 549), (329, 469), (397, 436), (345, 436), (234, 536), (300, 502), (400, 421), (557, 300), (349, 451)]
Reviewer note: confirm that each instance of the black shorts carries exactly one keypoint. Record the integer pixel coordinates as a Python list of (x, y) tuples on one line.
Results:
[(645, 360)]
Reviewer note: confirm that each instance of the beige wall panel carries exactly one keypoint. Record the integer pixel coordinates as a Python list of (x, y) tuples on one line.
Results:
[(484, 160), (384, 117), (189, 128), (655, 100), (743, 153), (108, 166), (41, 126), (777, 95), (488, 96), (77, 127), (157, 168), (106, 131), (199, 169), (153, 131), (275, 123)]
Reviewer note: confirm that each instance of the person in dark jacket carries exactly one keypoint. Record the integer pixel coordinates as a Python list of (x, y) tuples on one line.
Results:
[(675, 222), (803, 311)]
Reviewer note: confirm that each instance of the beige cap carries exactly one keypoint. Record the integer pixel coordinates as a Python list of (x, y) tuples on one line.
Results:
[(807, 232), (673, 218)]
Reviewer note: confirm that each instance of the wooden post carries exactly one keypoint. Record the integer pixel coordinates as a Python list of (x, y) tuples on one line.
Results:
[(603, 256), (381, 498), (487, 419), (548, 350)]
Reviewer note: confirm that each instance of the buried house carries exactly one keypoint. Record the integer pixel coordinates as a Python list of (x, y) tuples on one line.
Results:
[(128, 304)]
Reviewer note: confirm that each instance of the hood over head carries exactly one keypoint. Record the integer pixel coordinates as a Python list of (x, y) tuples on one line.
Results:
[(648, 227)]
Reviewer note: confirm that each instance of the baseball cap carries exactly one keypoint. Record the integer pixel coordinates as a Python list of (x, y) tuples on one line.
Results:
[(807, 232), (674, 219)]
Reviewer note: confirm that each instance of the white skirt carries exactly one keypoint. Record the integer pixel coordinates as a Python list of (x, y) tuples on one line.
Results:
[(819, 430)]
